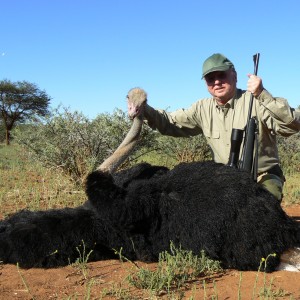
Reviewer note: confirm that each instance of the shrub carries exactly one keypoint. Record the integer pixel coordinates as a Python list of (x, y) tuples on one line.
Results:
[(72, 142), (183, 149), (289, 152)]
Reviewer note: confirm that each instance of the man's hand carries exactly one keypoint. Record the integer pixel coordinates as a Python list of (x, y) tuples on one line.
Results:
[(254, 85)]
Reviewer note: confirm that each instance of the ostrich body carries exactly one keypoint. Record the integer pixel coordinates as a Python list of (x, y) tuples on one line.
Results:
[(200, 206)]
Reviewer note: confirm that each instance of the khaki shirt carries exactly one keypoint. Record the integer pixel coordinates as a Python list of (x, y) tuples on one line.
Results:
[(206, 117)]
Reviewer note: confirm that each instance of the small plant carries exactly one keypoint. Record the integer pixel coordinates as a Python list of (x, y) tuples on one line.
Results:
[(173, 271), (267, 291), (240, 284), (123, 258), (89, 286), (25, 283), (82, 260), (117, 291)]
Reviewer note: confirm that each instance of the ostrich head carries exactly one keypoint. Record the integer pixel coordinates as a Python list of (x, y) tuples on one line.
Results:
[(136, 101)]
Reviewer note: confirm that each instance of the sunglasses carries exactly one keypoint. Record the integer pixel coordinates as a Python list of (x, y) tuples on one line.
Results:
[(218, 75)]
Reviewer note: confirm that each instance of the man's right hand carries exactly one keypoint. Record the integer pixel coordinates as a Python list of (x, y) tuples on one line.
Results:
[(254, 85)]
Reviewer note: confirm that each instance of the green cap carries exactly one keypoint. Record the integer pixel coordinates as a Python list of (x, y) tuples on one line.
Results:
[(216, 62)]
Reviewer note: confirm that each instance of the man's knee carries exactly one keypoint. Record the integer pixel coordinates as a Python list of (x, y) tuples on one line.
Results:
[(272, 183)]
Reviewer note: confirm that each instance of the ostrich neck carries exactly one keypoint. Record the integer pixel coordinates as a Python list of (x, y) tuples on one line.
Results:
[(112, 163)]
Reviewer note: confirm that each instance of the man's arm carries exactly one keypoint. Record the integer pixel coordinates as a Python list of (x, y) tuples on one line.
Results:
[(179, 123), (287, 118), (278, 108)]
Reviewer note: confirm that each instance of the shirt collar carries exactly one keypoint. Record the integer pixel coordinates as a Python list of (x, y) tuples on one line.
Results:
[(231, 102)]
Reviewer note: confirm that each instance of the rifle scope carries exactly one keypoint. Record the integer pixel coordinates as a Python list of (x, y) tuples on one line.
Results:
[(236, 141)]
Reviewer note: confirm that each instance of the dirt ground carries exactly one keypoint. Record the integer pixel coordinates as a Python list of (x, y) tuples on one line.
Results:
[(106, 280)]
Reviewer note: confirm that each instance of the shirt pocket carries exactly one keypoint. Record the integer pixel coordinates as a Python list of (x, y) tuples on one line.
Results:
[(211, 134)]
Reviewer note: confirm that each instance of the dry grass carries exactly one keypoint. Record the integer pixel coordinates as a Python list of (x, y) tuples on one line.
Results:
[(25, 184)]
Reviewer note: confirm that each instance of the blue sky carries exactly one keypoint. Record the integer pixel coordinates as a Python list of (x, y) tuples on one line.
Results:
[(87, 54)]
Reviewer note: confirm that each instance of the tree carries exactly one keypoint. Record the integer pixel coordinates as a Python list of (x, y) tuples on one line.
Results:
[(19, 102)]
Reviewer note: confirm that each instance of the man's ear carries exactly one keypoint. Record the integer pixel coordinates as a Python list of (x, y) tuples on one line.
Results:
[(235, 74)]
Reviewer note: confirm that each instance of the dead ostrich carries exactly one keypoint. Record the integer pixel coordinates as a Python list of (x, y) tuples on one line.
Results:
[(200, 206)]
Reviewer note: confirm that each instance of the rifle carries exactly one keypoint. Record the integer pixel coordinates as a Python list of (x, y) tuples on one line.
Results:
[(249, 161)]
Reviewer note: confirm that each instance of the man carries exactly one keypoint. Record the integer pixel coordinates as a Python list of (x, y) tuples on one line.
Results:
[(215, 118)]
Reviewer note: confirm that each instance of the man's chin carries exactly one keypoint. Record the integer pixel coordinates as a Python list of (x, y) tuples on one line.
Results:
[(221, 101)]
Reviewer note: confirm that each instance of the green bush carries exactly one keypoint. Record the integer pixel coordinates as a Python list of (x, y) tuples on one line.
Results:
[(70, 141), (185, 149), (289, 153)]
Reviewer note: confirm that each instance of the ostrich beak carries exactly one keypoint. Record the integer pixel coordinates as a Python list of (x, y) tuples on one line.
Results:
[(133, 110)]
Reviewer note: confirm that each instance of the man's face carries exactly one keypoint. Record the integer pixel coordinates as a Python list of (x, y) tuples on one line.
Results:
[(221, 85)]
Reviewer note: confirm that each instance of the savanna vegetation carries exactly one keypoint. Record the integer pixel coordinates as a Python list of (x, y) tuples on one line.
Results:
[(72, 144)]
